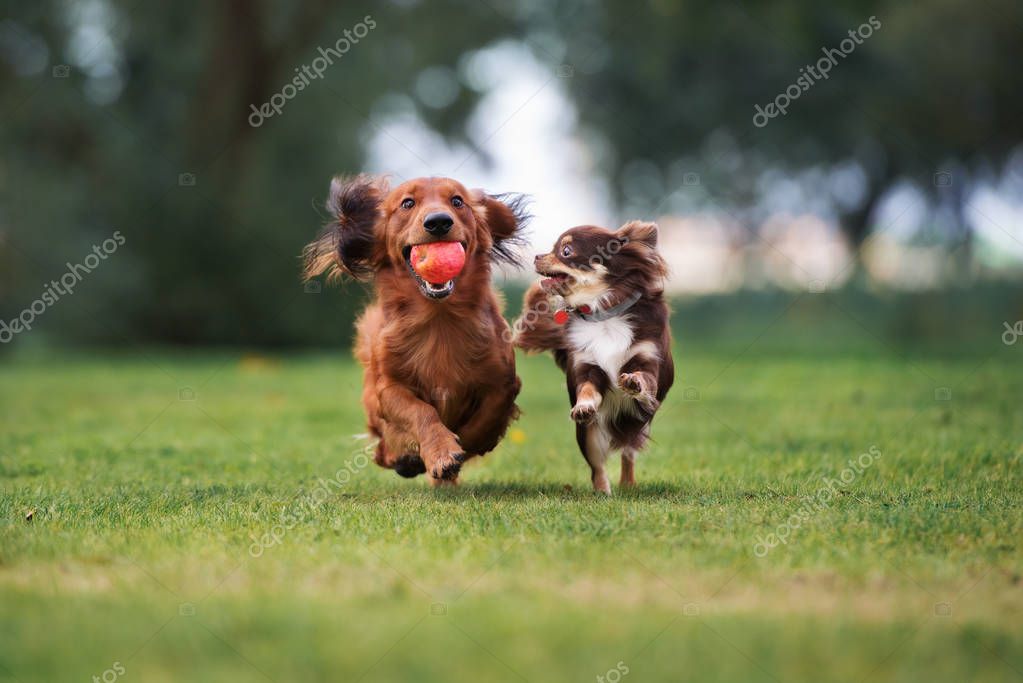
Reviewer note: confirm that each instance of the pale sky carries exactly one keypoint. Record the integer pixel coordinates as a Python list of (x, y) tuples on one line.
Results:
[(526, 124)]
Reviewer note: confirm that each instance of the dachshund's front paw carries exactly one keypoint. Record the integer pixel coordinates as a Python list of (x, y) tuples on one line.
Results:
[(447, 466), (409, 465), (444, 457)]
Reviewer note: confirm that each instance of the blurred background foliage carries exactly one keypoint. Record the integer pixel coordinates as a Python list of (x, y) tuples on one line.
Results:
[(130, 116)]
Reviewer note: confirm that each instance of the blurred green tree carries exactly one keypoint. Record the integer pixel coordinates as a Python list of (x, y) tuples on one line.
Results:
[(932, 90), (139, 118), (116, 115)]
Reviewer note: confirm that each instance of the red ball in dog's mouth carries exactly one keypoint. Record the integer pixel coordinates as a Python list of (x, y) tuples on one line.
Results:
[(438, 262)]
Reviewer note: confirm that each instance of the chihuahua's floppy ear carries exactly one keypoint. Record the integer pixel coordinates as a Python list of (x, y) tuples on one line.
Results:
[(640, 231), (640, 250), (347, 242), (506, 216)]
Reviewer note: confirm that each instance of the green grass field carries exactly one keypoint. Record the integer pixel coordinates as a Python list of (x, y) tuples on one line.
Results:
[(186, 534)]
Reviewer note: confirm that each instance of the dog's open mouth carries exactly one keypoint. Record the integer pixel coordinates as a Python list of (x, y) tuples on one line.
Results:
[(431, 290), (553, 281)]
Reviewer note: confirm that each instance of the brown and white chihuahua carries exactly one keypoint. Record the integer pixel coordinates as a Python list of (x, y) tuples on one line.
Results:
[(600, 309)]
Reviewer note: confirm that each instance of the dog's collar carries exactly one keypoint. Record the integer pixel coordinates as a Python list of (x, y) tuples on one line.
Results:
[(589, 315)]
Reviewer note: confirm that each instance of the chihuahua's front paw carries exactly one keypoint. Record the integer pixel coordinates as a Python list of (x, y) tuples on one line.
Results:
[(632, 383), (638, 385), (584, 412)]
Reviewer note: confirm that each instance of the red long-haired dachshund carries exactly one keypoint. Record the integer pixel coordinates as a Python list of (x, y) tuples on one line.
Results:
[(439, 368)]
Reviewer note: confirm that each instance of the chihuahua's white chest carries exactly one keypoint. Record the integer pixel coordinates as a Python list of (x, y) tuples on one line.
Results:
[(606, 344)]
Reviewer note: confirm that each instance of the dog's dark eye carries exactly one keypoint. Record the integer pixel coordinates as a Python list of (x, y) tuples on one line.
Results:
[(408, 203), (457, 202), (566, 250)]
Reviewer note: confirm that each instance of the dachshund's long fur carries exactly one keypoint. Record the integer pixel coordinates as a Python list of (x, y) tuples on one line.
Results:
[(439, 381)]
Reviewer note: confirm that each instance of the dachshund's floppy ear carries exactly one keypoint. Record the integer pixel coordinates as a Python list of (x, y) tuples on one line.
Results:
[(347, 242), (506, 217)]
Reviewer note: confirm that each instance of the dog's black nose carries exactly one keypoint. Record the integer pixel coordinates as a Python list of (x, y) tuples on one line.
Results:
[(438, 223)]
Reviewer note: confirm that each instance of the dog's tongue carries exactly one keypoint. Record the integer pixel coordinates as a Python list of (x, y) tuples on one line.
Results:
[(552, 284), (438, 262)]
